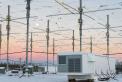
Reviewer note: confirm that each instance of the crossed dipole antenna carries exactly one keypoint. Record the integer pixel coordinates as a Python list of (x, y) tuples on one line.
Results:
[(81, 13)]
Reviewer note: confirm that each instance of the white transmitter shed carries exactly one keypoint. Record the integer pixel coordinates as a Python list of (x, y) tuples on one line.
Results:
[(77, 62)]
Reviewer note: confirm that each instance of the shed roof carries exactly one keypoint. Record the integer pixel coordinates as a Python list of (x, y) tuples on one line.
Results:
[(74, 53), (80, 53)]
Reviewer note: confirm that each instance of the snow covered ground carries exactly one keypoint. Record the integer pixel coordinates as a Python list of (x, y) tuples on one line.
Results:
[(43, 78), (34, 78)]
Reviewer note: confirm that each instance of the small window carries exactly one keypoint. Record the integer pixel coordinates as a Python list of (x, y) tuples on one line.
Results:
[(62, 59)]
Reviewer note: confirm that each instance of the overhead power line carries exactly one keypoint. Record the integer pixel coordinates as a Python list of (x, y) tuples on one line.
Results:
[(93, 11)]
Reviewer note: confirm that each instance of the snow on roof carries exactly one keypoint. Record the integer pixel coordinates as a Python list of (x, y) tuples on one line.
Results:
[(80, 53), (30, 66), (72, 53), (2, 67)]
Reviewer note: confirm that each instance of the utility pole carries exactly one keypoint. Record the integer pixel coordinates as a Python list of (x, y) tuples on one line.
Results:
[(73, 42), (0, 39), (53, 51), (54, 54), (31, 45), (27, 33), (81, 23), (107, 34), (8, 33), (48, 30), (91, 45)]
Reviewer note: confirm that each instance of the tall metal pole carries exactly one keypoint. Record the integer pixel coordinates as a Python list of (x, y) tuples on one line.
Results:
[(27, 33), (108, 36), (91, 45), (47, 43), (20, 60), (53, 51), (8, 33), (31, 45), (80, 22), (73, 42), (0, 39)]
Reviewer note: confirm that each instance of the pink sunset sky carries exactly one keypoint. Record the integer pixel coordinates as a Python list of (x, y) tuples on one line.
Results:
[(42, 8)]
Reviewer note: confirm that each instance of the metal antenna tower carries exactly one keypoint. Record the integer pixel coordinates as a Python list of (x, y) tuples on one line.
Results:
[(53, 51), (48, 30), (81, 23), (0, 39), (27, 33), (8, 34), (73, 42), (31, 45), (91, 44), (108, 37)]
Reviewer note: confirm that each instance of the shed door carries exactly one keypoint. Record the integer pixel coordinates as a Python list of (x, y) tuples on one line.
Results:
[(74, 65)]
